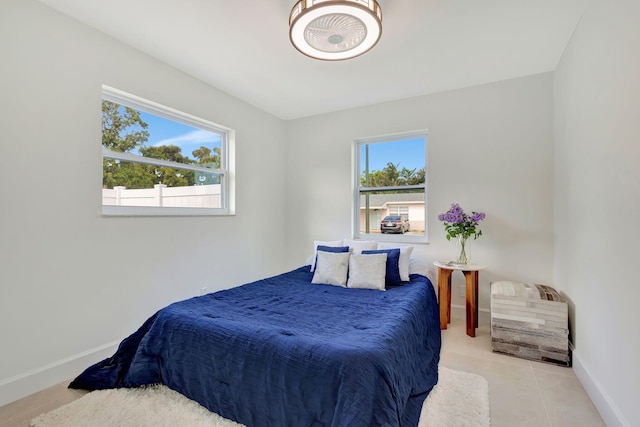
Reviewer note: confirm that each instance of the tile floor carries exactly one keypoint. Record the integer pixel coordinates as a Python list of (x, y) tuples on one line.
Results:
[(522, 393)]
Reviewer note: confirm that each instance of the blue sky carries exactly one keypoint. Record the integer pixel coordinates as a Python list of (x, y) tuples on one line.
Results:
[(409, 154), (167, 132), (405, 154)]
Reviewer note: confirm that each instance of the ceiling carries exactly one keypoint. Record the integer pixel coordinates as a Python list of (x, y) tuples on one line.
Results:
[(427, 46)]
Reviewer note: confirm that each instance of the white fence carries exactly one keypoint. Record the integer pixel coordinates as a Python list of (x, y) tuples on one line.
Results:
[(197, 196)]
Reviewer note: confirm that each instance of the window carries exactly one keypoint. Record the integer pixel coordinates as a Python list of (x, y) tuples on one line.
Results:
[(390, 198), (399, 210), (160, 161)]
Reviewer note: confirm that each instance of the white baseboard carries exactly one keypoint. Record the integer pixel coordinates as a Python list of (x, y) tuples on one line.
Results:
[(600, 398), (27, 383)]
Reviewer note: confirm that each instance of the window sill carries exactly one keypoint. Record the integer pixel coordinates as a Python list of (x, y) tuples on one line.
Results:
[(393, 238), (112, 211)]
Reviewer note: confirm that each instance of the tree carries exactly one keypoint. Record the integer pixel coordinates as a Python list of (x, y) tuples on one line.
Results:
[(126, 174), (123, 130), (391, 176), (119, 125), (413, 176), (172, 153), (169, 176), (206, 157)]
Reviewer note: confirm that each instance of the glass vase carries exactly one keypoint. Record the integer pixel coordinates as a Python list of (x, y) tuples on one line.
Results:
[(463, 254)]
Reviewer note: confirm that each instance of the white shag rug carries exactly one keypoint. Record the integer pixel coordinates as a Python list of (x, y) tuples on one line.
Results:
[(459, 399)]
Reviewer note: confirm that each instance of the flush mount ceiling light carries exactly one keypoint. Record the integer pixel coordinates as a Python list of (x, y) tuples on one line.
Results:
[(333, 30)]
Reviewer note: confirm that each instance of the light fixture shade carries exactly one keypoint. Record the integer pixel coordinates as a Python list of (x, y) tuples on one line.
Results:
[(335, 29)]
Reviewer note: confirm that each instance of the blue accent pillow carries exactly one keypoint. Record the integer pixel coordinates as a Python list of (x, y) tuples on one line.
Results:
[(330, 249), (333, 248), (393, 271)]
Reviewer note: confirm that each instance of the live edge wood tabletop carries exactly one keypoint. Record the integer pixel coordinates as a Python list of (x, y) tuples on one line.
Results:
[(470, 271)]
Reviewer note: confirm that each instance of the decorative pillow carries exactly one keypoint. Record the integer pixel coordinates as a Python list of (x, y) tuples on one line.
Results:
[(392, 277), (317, 243), (403, 264), (357, 246), (331, 268), (367, 271), (334, 249), (417, 266)]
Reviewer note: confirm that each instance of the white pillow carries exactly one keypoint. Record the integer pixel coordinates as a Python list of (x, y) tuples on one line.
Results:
[(331, 268), (403, 264), (367, 271), (357, 246), (317, 243), (417, 266)]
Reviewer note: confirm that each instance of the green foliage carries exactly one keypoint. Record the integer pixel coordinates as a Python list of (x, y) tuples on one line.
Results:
[(392, 176), (206, 157), (169, 176), (122, 128), (130, 175)]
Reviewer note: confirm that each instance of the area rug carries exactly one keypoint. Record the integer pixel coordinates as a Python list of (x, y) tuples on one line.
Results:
[(459, 399)]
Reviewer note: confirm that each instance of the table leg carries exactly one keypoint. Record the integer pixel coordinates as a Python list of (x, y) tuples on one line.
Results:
[(444, 296), (475, 291), (472, 301)]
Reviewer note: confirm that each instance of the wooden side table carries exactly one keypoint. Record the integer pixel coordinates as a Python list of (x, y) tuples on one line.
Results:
[(470, 271)]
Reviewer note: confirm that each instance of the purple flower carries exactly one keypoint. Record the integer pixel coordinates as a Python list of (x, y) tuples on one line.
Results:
[(457, 223), (477, 216)]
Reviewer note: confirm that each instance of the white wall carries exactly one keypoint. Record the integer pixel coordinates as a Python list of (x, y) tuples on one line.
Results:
[(72, 281), (597, 202), (489, 149)]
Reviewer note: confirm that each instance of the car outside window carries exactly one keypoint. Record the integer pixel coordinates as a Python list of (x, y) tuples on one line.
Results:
[(390, 188), (394, 224)]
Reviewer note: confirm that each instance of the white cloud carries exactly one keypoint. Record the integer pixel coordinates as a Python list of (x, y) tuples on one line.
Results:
[(195, 137)]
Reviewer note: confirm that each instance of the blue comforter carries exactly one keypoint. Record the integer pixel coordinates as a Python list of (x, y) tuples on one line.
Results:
[(284, 352)]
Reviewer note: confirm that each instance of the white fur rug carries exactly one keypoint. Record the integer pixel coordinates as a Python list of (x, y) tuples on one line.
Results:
[(459, 399)]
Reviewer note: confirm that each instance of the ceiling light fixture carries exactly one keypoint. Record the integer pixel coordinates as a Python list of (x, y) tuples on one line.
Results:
[(333, 30)]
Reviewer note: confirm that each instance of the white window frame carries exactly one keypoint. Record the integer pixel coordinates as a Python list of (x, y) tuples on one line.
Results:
[(358, 189), (227, 158)]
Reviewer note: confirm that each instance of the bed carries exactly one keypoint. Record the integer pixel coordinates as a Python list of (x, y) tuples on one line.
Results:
[(283, 351)]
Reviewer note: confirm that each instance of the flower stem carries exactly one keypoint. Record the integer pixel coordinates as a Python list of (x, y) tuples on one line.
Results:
[(462, 258)]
